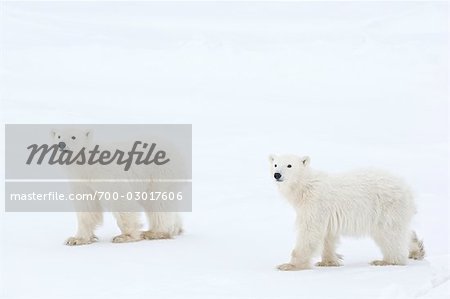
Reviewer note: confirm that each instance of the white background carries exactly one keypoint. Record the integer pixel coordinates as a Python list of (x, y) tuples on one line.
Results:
[(351, 84)]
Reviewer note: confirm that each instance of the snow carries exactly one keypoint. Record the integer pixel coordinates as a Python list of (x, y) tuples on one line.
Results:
[(351, 84)]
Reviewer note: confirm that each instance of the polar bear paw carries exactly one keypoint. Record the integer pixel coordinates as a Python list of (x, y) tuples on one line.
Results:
[(287, 267), (125, 238), (328, 264), (74, 241), (384, 263), (152, 235)]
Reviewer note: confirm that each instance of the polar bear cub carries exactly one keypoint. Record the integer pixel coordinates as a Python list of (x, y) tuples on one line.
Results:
[(162, 225), (360, 203)]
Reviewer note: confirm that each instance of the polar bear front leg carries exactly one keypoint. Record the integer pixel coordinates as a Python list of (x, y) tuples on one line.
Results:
[(129, 225), (300, 258), (87, 223), (309, 239)]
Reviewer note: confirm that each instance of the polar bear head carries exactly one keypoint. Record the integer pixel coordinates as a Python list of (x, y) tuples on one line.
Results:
[(288, 168), (71, 139)]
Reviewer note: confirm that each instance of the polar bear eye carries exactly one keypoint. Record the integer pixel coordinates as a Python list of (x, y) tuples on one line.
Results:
[(73, 137), (289, 166), (59, 137), (275, 165)]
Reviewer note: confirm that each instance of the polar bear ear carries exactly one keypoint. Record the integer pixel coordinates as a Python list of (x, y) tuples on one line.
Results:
[(271, 158), (88, 134), (305, 160)]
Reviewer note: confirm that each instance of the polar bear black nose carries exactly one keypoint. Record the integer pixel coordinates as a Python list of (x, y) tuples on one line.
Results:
[(277, 175), (62, 145)]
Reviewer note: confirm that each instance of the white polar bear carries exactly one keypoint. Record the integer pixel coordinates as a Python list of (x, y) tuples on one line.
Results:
[(162, 225), (361, 203)]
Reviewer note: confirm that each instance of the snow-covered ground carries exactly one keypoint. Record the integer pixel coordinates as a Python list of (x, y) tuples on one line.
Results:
[(350, 84)]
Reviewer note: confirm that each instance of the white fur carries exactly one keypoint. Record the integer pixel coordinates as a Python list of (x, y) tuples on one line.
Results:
[(359, 203), (162, 225)]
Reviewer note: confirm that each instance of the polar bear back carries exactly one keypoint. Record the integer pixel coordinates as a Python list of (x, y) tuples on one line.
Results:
[(360, 202)]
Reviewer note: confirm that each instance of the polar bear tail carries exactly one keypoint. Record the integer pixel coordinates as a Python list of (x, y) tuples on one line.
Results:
[(416, 248)]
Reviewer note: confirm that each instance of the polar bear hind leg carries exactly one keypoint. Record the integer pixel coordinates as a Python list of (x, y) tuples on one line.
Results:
[(163, 225), (416, 248), (394, 245)]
